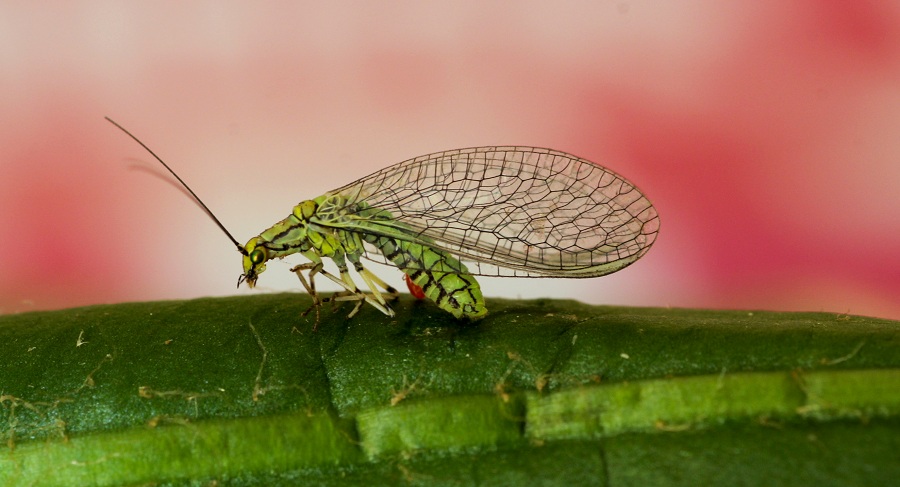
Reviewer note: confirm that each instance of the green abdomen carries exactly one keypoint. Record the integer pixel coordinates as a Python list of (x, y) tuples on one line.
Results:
[(443, 278)]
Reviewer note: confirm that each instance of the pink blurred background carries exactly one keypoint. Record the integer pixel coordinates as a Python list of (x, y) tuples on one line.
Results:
[(765, 132)]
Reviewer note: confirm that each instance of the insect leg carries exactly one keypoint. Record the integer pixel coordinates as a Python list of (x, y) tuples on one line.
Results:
[(369, 277), (313, 268), (372, 281), (354, 250), (353, 293), (358, 296), (375, 298)]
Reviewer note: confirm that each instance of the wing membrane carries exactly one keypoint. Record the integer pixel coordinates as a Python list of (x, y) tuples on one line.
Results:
[(512, 211)]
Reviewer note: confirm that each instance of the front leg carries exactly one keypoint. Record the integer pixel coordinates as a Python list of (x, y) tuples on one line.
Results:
[(313, 268)]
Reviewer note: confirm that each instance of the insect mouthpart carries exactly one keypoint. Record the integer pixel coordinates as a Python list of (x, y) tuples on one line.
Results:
[(251, 273), (249, 278)]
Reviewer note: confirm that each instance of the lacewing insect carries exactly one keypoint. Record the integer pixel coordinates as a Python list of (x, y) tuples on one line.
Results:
[(444, 218)]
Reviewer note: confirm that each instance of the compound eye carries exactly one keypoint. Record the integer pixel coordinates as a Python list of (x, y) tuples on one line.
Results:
[(258, 256)]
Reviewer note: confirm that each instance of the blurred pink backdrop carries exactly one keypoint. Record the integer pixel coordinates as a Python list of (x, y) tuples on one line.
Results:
[(765, 132)]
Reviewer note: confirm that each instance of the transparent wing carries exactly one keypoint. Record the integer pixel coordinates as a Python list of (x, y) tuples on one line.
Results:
[(513, 211)]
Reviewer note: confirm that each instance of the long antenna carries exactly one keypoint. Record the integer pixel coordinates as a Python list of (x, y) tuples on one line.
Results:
[(191, 191)]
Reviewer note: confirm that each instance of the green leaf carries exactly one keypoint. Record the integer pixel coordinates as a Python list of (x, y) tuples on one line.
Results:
[(242, 391)]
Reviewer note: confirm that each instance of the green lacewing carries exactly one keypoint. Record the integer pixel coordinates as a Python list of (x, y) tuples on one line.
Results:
[(447, 217)]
